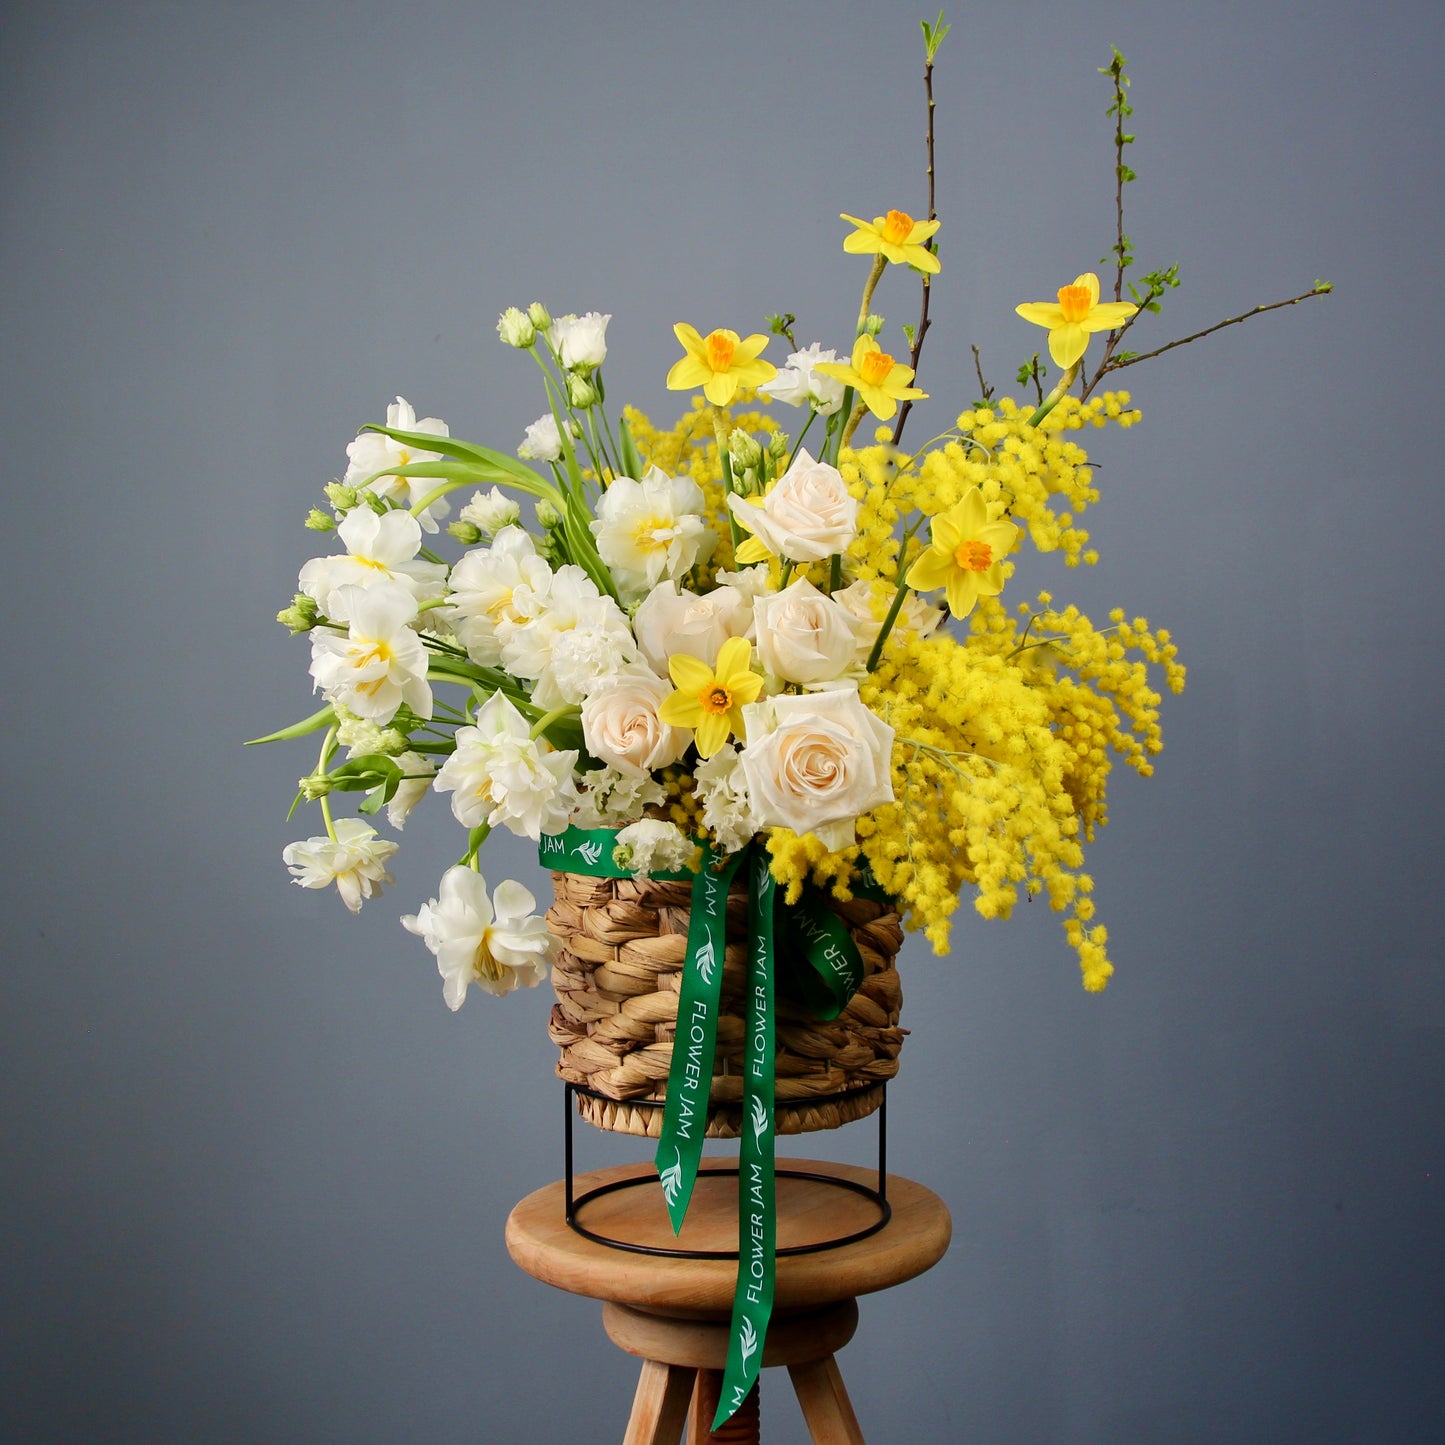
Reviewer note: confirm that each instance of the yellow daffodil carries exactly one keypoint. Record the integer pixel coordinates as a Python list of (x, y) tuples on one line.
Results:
[(719, 362), (879, 380), (966, 554), (1077, 312), (896, 237), (711, 700)]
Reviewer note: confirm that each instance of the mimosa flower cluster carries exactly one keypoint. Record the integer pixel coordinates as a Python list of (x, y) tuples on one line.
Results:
[(749, 626)]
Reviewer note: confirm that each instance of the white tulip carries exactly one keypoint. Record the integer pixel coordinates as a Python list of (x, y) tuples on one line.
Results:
[(381, 662), (354, 860), (373, 453), (651, 530)]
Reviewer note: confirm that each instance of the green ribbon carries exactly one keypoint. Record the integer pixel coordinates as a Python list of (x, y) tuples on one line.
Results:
[(689, 1083), (824, 967)]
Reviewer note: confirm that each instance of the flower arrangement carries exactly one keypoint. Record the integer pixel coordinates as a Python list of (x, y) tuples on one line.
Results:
[(727, 631)]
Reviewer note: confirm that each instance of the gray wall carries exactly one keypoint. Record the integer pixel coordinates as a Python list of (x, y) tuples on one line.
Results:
[(252, 1173)]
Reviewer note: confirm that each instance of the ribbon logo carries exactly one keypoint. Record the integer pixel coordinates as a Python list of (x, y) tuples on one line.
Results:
[(671, 1178), (706, 959), (590, 851)]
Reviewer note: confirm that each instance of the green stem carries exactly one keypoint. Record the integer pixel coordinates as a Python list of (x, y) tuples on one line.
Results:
[(798, 445), (548, 718), (328, 746), (859, 412), (1057, 394), (879, 262)]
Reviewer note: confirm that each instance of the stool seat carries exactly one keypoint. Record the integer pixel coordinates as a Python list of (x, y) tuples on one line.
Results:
[(913, 1241)]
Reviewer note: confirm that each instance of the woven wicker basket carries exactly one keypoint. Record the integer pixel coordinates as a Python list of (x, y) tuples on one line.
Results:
[(618, 976)]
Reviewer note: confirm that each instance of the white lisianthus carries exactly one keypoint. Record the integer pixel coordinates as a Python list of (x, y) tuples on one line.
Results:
[(672, 620), (868, 602), (816, 761), (499, 773), (803, 635), (381, 662), (807, 515), (612, 799), (621, 725), (542, 442), (567, 638), (515, 327), (417, 775), (800, 384), (497, 943), (371, 453), (727, 810), (490, 511), (354, 860), (650, 530), (651, 846), (379, 547), (484, 584), (580, 341)]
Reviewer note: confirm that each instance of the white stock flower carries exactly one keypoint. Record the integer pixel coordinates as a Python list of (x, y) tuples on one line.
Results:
[(807, 515), (542, 442), (651, 846), (727, 810), (490, 511), (581, 341), (417, 775), (566, 639), (799, 384), (621, 725), (354, 861), (380, 663), (497, 943), (816, 761), (868, 602), (379, 547), (484, 584), (672, 620), (608, 798), (803, 635), (372, 453), (650, 530), (500, 774)]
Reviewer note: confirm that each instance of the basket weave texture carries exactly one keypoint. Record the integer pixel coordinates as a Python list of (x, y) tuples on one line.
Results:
[(618, 975)]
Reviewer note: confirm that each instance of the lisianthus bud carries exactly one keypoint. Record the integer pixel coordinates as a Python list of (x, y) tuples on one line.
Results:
[(778, 445), (516, 329), (548, 516), (301, 615), (539, 316), (580, 391), (744, 449), (873, 325), (467, 533), (319, 521), (342, 497), (316, 785)]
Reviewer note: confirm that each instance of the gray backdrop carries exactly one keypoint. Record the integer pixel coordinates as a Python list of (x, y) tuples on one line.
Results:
[(253, 1174)]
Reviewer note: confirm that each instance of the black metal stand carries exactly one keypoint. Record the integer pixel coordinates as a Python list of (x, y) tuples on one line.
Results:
[(574, 1202)]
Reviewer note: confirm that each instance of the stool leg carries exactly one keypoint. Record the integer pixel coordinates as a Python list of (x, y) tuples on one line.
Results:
[(741, 1429), (659, 1409), (825, 1403)]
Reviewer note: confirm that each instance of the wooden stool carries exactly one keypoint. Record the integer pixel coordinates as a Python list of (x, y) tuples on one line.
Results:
[(675, 1313)]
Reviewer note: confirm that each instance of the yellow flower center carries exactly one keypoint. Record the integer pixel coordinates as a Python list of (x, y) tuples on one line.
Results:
[(897, 227), (482, 960), (653, 534), (720, 347), (1074, 302), (973, 556), (874, 367), (715, 699)]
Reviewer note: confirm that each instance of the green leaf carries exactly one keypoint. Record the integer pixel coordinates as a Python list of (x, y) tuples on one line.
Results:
[(363, 773), (630, 460), (318, 720)]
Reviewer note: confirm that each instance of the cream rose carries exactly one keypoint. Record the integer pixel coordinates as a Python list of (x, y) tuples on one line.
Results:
[(670, 621), (815, 761), (858, 600), (621, 726), (803, 635), (808, 515)]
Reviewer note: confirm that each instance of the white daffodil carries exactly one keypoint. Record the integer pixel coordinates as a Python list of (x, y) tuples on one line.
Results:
[(483, 585), (566, 639), (581, 341), (650, 530), (380, 663), (490, 511), (354, 860), (497, 943), (800, 384), (371, 453), (542, 442), (417, 775), (379, 548), (499, 773)]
